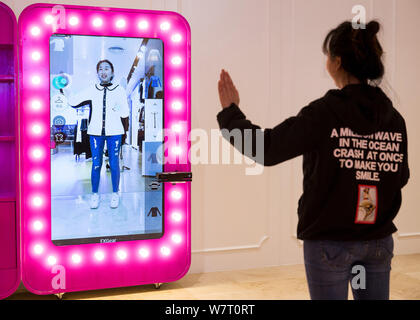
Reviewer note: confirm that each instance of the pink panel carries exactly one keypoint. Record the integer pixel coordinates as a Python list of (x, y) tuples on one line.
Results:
[(9, 220), (7, 236), (7, 169), (7, 17), (168, 257), (7, 100)]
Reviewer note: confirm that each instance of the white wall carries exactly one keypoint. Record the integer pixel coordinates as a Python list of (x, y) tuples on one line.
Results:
[(272, 48)]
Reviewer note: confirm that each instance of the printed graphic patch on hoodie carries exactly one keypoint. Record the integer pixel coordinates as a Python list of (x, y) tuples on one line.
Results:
[(367, 205)]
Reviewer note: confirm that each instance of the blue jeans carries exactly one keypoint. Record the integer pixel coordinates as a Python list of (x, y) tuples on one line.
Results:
[(332, 265), (97, 147)]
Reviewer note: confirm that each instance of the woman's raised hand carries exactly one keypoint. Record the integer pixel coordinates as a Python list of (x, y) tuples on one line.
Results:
[(228, 93)]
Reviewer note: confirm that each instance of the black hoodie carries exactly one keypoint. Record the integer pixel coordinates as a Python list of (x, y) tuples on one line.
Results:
[(354, 147)]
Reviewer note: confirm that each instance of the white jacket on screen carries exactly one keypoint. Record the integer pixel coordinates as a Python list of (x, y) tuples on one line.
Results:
[(116, 107)]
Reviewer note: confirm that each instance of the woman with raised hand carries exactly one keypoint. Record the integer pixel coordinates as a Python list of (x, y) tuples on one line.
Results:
[(353, 142)]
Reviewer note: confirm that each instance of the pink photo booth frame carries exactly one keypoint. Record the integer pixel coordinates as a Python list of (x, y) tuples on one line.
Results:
[(50, 269), (9, 217)]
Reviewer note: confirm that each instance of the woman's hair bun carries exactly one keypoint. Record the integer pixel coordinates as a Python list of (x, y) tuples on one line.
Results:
[(372, 27), (359, 50)]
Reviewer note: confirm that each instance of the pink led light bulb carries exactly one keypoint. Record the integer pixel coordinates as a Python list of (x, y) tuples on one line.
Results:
[(36, 80), (143, 25), (76, 258), (176, 238), (37, 177), (74, 21), (36, 55), (36, 129), (144, 253), (176, 60), (49, 19), (176, 216), (37, 154), (176, 195), (35, 31), (122, 254), (176, 38), (165, 26), (97, 22), (37, 201), (121, 23), (177, 105), (52, 260), (176, 128), (176, 83), (99, 255), (37, 225), (38, 249), (35, 105), (165, 251)]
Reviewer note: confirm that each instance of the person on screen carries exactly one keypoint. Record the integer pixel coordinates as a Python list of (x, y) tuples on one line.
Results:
[(344, 138), (108, 121)]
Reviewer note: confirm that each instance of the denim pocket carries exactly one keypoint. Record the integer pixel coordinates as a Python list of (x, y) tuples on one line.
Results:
[(335, 254), (385, 247)]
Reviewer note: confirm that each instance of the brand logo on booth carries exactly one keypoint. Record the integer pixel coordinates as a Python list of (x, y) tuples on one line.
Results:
[(108, 240)]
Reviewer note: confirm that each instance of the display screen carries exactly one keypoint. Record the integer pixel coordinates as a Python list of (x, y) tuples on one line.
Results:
[(106, 97)]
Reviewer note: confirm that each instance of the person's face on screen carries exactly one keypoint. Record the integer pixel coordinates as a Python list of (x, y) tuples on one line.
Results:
[(105, 72)]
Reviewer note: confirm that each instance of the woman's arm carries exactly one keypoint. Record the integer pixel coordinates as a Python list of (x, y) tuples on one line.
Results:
[(291, 138), (405, 168), (125, 112), (77, 100), (122, 99)]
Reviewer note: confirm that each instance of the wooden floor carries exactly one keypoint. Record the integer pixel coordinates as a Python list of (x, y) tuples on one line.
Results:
[(271, 283)]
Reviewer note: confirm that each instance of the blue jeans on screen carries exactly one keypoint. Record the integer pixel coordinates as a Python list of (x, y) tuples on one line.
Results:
[(97, 147), (331, 266)]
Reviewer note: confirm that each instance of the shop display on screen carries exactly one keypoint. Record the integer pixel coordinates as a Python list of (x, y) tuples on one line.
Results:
[(106, 96)]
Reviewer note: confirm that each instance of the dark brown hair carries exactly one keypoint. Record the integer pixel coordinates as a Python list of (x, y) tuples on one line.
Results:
[(107, 61), (359, 50)]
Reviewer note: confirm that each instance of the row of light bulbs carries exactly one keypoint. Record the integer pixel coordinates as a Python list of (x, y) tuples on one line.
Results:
[(37, 201), (37, 106), (36, 80), (98, 22), (100, 255), (36, 56)]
